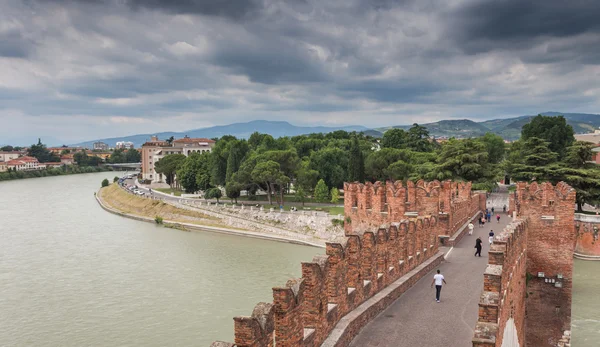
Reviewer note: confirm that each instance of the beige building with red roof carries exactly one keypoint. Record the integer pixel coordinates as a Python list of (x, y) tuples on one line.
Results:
[(24, 164), (155, 149), (6, 156)]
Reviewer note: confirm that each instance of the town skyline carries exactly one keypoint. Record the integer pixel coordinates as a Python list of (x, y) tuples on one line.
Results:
[(81, 70)]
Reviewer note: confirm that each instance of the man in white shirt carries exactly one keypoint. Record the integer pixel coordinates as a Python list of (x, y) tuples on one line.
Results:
[(438, 280), (471, 226)]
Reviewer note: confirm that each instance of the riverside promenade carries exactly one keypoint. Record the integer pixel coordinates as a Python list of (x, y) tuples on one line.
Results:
[(415, 319)]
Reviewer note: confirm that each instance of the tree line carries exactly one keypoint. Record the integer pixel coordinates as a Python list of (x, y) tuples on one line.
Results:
[(318, 164)]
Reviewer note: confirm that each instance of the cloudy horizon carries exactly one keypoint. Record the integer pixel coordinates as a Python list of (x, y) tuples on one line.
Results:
[(77, 70)]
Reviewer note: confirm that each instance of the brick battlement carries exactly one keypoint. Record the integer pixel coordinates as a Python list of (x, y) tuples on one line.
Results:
[(305, 310), (370, 205), (528, 281)]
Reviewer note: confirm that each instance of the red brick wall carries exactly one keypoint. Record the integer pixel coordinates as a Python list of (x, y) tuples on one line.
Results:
[(541, 241), (504, 287), (368, 206), (305, 310)]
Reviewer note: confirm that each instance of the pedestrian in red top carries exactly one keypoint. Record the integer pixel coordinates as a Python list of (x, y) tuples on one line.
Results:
[(498, 218)]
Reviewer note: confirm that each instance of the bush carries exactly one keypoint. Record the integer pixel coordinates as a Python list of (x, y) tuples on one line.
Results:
[(105, 183), (158, 220), (337, 222), (115, 179)]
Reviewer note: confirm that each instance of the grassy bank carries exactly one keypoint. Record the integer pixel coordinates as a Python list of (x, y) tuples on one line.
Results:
[(69, 170), (118, 199), (175, 192)]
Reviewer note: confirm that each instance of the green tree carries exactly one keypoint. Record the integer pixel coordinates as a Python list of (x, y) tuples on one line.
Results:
[(553, 130), (168, 166), (495, 147), (237, 152), (465, 159), (269, 173), (170, 140), (356, 163), (579, 154), (321, 191), (377, 163), (117, 157), (213, 193), (115, 179), (335, 195), (194, 166), (80, 158), (306, 177), (399, 170), (300, 195), (232, 190), (331, 163), (7, 149), (105, 183), (394, 138), (418, 139), (133, 156), (219, 156), (41, 153)]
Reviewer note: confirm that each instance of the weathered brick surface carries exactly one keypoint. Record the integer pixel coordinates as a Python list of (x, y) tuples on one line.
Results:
[(540, 241), (382, 245), (369, 205)]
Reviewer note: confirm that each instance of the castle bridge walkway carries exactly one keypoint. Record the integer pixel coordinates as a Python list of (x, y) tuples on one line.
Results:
[(415, 319)]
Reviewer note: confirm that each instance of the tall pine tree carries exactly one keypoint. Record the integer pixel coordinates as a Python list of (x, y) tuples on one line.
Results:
[(356, 162)]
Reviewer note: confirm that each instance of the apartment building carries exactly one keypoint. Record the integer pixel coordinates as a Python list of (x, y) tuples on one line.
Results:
[(155, 149)]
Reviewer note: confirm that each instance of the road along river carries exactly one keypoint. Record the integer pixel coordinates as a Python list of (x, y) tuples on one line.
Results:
[(72, 274)]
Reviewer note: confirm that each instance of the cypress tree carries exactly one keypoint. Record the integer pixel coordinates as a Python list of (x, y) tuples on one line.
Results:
[(356, 162)]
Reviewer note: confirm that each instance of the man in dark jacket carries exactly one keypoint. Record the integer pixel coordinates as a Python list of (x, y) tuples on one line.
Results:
[(478, 246)]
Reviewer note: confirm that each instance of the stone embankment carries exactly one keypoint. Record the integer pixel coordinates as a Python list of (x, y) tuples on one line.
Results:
[(191, 214)]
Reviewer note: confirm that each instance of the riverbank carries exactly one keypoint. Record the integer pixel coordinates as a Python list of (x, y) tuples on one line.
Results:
[(115, 200), (70, 170)]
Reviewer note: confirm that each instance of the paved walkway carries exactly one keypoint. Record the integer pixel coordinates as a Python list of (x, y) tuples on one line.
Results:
[(415, 319)]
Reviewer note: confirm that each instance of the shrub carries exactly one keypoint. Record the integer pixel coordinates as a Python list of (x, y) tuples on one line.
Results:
[(337, 222), (115, 179), (105, 183), (158, 220)]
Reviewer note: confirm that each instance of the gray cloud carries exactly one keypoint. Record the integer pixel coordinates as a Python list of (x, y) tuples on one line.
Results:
[(132, 65)]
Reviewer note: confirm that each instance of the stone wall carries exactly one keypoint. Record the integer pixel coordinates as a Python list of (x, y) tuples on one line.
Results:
[(504, 288), (528, 282), (305, 310), (370, 205), (550, 244), (588, 236)]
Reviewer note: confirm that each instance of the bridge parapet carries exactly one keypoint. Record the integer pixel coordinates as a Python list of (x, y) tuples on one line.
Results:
[(306, 310)]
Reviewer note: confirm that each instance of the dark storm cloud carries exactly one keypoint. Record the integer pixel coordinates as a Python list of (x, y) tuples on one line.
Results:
[(14, 45), (347, 61), (485, 25), (234, 9)]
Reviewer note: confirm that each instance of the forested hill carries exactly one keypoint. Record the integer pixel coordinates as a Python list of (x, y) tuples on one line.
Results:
[(508, 128)]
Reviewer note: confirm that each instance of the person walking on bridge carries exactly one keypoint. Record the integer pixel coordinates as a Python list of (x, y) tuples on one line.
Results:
[(478, 243), (438, 280), (471, 227)]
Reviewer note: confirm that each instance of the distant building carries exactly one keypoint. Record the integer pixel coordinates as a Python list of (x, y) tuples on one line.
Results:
[(155, 149), (50, 165), (24, 164), (100, 146), (6, 156), (66, 159), (591, 137), (3, 167), (124, 145), (59, 150)]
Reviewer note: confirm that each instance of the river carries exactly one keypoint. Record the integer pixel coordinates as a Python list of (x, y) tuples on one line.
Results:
[(72, 274)]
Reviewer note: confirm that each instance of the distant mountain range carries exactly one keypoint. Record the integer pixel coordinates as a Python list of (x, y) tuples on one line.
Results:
[(239, 130), (508, 128)]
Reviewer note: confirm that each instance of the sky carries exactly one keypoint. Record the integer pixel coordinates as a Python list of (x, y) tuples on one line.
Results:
[(74, 70)]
